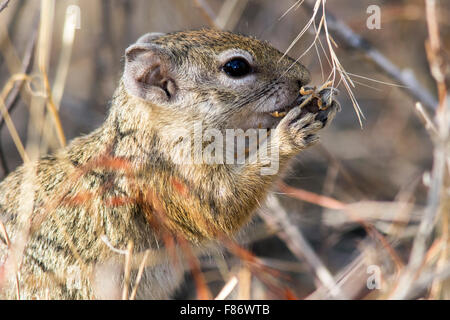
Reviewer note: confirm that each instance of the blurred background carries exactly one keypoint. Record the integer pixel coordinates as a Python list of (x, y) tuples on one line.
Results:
[(374, 170)]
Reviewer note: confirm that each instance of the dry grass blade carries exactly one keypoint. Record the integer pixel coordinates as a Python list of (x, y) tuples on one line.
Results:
[(4, 4), (311, 197), (14, 134), (10, 94), (46, 25), (62, 70), (435, 207), (139, 275), (305, 28), (53, 110), (345, 78), (127, 271), (4, 233), (268, 276), (352, 280), (429, 124), (355, 41), (430, 277), (227, 289), (438, 286), (298, 245), (37, 104), (351, 210), (296, 5), (336, 65), (245, 284)]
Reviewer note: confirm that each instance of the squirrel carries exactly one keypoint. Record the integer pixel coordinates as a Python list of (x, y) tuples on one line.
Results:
[(77, 211)]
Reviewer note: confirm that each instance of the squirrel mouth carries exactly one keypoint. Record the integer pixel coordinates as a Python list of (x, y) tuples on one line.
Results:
[(310, 99), (280, 113)]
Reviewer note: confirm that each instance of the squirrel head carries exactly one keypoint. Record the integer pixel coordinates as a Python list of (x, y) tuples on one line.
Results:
[(225, 79)]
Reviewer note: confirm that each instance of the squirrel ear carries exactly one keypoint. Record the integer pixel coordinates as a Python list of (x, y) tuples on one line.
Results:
[(147, 73), (149, 37)]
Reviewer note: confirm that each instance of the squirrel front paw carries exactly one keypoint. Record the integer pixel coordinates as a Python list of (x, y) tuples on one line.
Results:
[(299, 129)]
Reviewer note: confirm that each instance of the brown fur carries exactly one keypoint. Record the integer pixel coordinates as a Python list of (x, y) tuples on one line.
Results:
[(120, 180)]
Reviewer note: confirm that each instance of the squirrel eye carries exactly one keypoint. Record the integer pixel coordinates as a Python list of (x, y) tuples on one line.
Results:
[(237, 67)]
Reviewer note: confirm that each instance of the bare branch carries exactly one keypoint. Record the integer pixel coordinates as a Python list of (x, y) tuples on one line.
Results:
[(298, 245), (434, 206), (11, 100), (352, 280), (227, 289), (405, 77), (3, 5)]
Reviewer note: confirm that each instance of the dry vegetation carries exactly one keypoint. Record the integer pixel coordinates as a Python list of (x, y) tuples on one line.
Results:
[(363, 201)]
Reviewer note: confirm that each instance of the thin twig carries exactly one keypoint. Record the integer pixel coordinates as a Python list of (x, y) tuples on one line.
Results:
[(311, 197), (127, 271), (4, 233), (227, 289), (352, 279), (139, 275), (355, 41), (3, 5), (429, 124), (331, 203), (62, 71), (245, 284), (405, 285), (106, 241), (53, 110), (13, 97), (298, 245), (13, 131), (427, 278)]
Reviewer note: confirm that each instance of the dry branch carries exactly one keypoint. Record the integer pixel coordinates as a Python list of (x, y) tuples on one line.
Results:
[(3, 5), (227, 289), (357, 42), (295, 241), (11, 100), (352, 280), (436, 197)]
